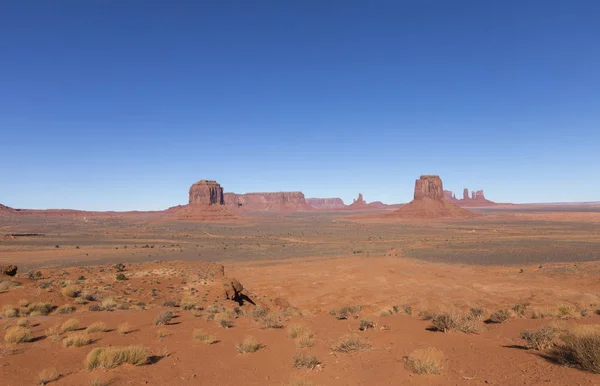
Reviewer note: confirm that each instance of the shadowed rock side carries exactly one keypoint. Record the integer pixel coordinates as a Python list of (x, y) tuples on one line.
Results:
[(270, 201), (326, 203), (206, 192)]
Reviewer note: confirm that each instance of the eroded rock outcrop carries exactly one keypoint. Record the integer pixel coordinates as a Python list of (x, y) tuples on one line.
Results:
[(9, 270), (268, 201), (206, 192), (326, 203), (477, 198), (429, 186)]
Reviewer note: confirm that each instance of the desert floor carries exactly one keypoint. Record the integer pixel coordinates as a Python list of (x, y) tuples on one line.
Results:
[(540, 264)]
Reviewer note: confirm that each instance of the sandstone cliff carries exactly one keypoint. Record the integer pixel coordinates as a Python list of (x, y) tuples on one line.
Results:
[(268, 201), (206, 192), (326, 203), (477, 198), (429, 186)]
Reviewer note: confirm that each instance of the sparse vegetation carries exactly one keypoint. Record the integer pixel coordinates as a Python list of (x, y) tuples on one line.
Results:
[(271, 321), (111, 357), (71, 291), (305, 361), (18, 334), (520, 309), (259, 313), (350, 343), (9, 311), (346, 312), (108, 304), (23, 322), (120, 267), (77, 340), (453, 321), (121, 276), (202, 336), (124, 328), (540, 339), (296, 330), (477, 313), (39, 309), (65, 309), (499, 316), (249, 345), (366, 324), (48, 375), (70, 325), (426, 360), (188, 304), (580, 347), (96, 327)]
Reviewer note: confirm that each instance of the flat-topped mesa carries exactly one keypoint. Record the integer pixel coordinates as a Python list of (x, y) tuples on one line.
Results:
[(429, 186), (325, 203), (268, 201), (206, 192)]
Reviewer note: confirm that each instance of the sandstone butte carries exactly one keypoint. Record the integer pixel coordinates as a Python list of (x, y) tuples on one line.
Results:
[(429, 202), (206, 203), (326, 203), (268, 201)]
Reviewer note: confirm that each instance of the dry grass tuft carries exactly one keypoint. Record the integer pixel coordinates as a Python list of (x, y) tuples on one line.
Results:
[(566, 311), (111, 357), (9, 311), (426, 360), (18, 335), (163, 318), (249, 345), (70, 325), (77, 340), (540, 339), (188, 304), (499, 316), (66, 309), (366, 324), (53, 333), (349, 343), (580, 347), (39, 309), (202, 336), (222, 319), (71, 291), (97, 327), (108, 304), (23, 322), (271, 321), (305, 361), (124, 328), (298, 330), (48, 375), (454, 321)]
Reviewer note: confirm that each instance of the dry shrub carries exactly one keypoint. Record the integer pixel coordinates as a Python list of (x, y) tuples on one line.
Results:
[(23, 303), (71, 291), (163, 318), (9, 311), (298, 330), (111, 357), (66, 309), (540, 339), (346, 312), (70, 325), (566, 311), (53, 333), (259, 313), (520, 309), (249, 345), (366, 324), (305, 341), (77, 340), (222, 319), (97, 327), (305, 361), (39, 309), (23, 322), (580, 347), (426, 360), (108, 304), (48, 375), (200, 335), (453, 321), (349, 343), (499, 316), (18, 335), (271, 321), (188, 304), (477, 313), (124, 328)]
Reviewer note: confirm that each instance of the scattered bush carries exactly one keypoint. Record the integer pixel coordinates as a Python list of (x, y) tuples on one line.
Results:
[(71, 291), (47, 375), (350, 343), (305, 361), (365, 324), (90, 297), (66, 309), (566, 310), (425, 360), (346, 312), (477, 313), (124, 328), (39, 309), (170, 303), (23, 303), (580, 348), (18, 335), (540, 339), (9, 311), (520, 309), (70, 325), (121, 276), (108, 304), (297, 330), (120, 267), (96, 327), (204, 337), (188, 304), (249, 345), (23, 322), (163, 318), (111, 357), (53, 333), (259, 313), (305, 341), (271, 321), (77, 340), (499, 316), (454, 321)]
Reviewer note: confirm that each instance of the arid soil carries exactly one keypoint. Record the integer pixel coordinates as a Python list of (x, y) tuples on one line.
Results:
[(325, 272)]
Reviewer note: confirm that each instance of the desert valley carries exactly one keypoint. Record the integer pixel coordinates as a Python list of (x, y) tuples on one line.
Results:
[(279, 289)]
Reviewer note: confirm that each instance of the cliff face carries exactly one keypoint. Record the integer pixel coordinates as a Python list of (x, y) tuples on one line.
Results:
[(477, 198), (429, 186), (325, 203), (268, 201), (206, 192)]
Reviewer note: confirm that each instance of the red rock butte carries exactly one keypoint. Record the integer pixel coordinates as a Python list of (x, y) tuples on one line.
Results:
[(206, 192)]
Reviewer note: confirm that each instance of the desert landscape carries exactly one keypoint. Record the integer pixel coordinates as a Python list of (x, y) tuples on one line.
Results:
[(279, 289)]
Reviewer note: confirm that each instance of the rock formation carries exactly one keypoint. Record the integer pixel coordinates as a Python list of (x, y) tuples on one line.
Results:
[(429, 186), (206, 192), (429, 202), (6, 210), (477, 198), (326, 203), (270, 201), (359, 200), (9, 270)]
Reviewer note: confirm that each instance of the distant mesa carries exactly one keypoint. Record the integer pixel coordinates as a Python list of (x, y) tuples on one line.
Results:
[(477, 198), (6, 210), (429, 202), (206, 192), (326, 203), (268, 201), (206, 203)]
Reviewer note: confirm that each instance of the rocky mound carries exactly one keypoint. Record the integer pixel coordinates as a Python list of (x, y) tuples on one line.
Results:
[(326, 203), (429, 202), (6, 210), (270, 201)]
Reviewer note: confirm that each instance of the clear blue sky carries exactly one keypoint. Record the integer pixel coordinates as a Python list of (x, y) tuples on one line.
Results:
[(124, 104)]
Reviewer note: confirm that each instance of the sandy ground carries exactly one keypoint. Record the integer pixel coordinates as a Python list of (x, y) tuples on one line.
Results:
[(300, 267)]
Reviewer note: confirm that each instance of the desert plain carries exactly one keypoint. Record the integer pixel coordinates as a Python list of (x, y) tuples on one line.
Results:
[(301, 298)]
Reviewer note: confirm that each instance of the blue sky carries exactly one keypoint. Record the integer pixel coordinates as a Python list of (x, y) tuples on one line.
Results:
[(124, 104)]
